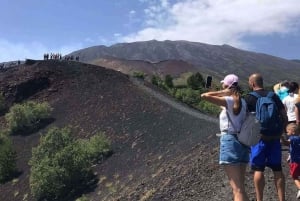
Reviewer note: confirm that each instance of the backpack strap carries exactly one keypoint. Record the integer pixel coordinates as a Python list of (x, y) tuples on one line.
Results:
[(254, 93), (270, 94)]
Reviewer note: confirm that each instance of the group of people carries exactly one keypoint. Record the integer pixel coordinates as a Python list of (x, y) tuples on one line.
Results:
[(51, 56), (235, 156), (71, 58), (58, 56)]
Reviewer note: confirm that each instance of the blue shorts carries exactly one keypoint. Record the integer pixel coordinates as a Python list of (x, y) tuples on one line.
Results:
[(232, 151), (266, 153)]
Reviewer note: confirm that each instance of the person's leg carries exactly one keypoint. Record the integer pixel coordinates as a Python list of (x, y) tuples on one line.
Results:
[(297, 183), (295, 173), (236, 176), (259, 184), (258, 162), (279, 180), (274, 158)]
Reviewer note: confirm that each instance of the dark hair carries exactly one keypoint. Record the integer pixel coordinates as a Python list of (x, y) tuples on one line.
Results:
[(293, 87), (235, 84), (235, 88), (285, 83), (237, 91)]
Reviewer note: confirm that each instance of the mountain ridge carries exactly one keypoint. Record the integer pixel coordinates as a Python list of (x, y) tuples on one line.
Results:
[(221, 59)]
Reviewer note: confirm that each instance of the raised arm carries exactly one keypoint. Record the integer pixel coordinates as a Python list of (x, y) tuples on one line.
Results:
[(216, 97)]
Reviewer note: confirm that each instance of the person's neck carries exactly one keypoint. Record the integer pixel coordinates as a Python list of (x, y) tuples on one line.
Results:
[(257, 88)]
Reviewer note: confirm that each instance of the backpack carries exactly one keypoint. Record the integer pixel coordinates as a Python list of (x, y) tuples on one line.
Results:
[(249, 134), (268, 115)]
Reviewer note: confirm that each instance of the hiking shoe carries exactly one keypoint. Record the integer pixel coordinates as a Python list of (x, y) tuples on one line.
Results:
[(298, 194)]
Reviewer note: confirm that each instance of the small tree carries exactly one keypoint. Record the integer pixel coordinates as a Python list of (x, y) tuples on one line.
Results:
[(196, 81), (169, 81), (155, 80), (7, 158)]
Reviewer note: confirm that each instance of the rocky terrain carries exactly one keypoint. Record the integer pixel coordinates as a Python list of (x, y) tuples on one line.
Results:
[(162, 150)]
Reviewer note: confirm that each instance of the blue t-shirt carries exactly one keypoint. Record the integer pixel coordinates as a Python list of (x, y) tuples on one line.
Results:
[(295, 149), (282, 92)]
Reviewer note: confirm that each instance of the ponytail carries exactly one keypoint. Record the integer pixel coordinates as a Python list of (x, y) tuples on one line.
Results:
[(237, 97)]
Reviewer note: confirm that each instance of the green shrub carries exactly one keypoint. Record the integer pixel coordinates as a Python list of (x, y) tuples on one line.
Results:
[(58, 165), (188, 95), (82, 198), (7, 158), (196, 81), (139, 74), (27, 115), (97, 147), (169, 81), (209, 108), (155, 80), (61, 165), (2, 102)]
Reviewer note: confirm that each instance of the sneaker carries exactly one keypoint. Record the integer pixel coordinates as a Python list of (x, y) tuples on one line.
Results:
[(298, 194)]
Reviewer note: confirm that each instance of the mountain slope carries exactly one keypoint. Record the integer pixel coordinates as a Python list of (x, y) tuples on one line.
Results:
[(145, 132), (162, 68), (162, 149), (219, 59)]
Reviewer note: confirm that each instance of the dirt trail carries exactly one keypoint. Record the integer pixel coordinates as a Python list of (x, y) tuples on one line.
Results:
[(180, 106)]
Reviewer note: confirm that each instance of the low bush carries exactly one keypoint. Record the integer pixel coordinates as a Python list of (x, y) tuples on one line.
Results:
[(61, 165), (7, 158), (188, 96), (156, 80), (97, 147), (27, 115), (2, 102), (139, 74), (209, 108), (196, 81), (82, 198)]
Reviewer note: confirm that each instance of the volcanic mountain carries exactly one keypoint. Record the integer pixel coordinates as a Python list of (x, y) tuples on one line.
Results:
[(162, 149), (213, 60)]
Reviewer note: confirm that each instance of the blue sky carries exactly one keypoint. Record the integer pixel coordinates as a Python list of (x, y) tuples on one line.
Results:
[(31, 28)]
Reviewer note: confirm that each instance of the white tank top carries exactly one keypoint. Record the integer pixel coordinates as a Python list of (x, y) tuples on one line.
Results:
[(237, 120)]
